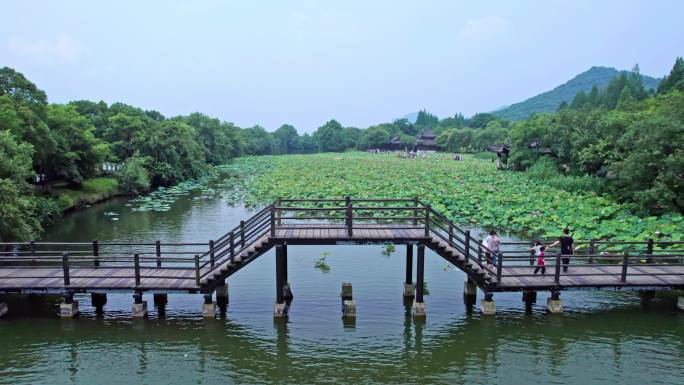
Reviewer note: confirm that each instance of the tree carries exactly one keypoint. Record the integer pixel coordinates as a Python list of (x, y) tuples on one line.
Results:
[(78, 154), (286, 140), (217, 139), (331, 137), (23, 91), (256, 141), (675, 80), (134, 177), (18, 219), (173, 151), (425, 121), (580, 100), (374, 137), (481, 120), (405, 127)]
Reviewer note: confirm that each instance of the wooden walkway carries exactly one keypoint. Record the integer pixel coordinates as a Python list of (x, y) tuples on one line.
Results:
[(93, 266)]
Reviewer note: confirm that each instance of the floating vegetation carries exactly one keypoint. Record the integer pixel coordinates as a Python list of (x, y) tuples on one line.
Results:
[(320, 263), (388, 249), (426, 291), (470, 192)]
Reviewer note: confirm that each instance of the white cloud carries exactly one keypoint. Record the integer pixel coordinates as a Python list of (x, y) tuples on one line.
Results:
[(62, 48), (483, 29)]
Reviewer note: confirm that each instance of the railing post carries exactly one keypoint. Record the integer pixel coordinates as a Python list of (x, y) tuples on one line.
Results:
[(33, 248), (96, 253), (242, 234), (427, 220), (415, 211), (499, 267), (556, 275), (136, 264), (279, 213), (532, 253), (466, 245), (592, 246), (451, 233), (211, 252), (273, 224), (157, 246), (625, 262), (65, 268), (479, 252), (197, 269), (232, 245), (649, 251), (347, 201)]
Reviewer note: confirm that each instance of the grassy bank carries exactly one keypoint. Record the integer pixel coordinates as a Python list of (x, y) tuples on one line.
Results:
[(92, 191), (469, 192)]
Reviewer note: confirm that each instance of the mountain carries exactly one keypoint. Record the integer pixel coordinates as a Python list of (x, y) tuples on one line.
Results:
[(410, 117), (549, 100)]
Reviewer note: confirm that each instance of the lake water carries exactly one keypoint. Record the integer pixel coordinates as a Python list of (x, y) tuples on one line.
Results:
[(604, 337)]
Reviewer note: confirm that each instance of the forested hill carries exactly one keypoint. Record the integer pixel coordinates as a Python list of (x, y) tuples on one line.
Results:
[(549, 100)]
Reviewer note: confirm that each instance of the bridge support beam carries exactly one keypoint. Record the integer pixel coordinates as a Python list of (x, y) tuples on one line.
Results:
[(160, 301), (469, 292), (487, 305), (646, 297), (419, 309), (530, 298), (409, 287), (139, 309), (287, 290), (280, 309), (348, 303), (68, 308), (222, 297), (554, 305), (3, 309), (98, 300)]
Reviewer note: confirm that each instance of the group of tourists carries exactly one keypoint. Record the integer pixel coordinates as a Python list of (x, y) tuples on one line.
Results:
[(493, 250)]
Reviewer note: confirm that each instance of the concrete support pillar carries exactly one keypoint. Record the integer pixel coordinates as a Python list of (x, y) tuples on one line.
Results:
[(160, 301), (554, 305), (680, 303), (3, 309), (409, 287), (280, 308), (348, 303), (68, 308), (222, 297), (98, 300), (469, 292), (208, 307), (487, 305), (139, 309)]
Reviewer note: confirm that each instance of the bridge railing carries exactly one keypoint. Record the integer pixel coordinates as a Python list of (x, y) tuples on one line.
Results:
[(619, 261)]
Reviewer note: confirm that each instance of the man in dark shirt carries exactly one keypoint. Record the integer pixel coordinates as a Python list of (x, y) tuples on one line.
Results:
[(567, 248)]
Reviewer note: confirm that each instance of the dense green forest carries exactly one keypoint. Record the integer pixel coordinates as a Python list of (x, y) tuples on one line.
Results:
[(621, 140), (548, 101)]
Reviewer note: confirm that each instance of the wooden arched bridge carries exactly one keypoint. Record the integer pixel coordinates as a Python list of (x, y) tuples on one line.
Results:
[(67, 268)]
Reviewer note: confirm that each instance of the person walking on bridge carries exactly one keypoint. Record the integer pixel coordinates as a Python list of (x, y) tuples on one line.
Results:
[(493, 244), (567, 248)]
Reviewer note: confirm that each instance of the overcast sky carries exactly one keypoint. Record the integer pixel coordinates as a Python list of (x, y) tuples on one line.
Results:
[(305, 62)]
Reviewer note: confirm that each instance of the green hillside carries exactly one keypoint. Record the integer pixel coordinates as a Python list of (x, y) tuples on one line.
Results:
[(549, 100)]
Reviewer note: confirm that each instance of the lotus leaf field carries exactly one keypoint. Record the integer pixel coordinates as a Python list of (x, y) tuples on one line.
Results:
[(470, 192)]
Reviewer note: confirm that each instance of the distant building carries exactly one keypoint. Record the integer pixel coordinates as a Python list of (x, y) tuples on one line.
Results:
[(426, 141), (395, 144), (501, 150)]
